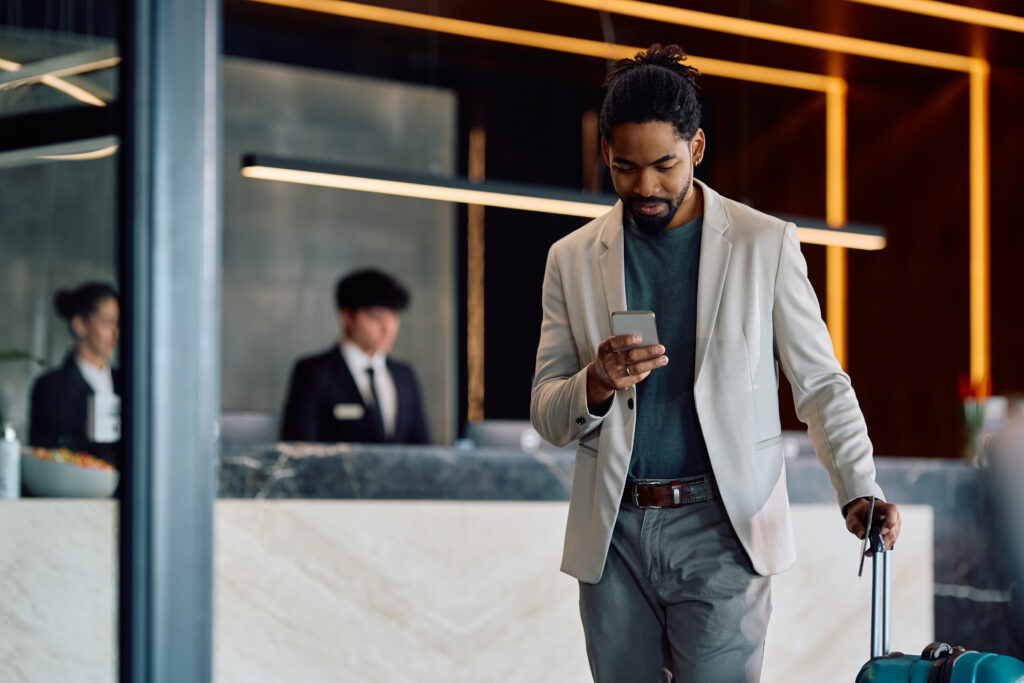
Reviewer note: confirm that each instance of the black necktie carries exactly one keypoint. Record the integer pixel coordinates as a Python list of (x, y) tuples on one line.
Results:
[(375, 414)]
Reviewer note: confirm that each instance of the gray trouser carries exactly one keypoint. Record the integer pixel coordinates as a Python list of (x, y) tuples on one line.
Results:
[(678, 601)]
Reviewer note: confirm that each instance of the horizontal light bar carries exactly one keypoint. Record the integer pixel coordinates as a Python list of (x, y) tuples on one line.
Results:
[(459, 190), (945, 10), (549, 41), (107, 151), (778, 33), (74, 88), (844, 237), (495, 193), (57, 67), (77, 150)]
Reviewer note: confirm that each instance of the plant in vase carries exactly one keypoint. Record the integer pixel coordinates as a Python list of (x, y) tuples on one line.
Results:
[(14, 355)]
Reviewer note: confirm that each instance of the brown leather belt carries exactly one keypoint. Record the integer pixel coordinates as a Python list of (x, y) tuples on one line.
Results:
[(673, 493)]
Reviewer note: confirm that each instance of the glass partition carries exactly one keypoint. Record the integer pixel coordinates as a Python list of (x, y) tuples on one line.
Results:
[(60, 382)]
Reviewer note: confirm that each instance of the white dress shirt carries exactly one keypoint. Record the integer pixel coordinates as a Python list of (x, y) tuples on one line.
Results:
[(100, 379), (358, 362)]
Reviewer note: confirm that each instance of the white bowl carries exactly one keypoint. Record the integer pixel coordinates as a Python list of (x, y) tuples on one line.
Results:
[(49, 479)]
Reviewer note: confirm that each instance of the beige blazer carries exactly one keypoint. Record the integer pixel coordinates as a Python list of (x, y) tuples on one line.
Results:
[(756, 310)]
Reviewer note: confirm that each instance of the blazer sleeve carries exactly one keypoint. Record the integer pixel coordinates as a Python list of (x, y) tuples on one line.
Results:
[(822, 393), (558, 401), (301, 417)]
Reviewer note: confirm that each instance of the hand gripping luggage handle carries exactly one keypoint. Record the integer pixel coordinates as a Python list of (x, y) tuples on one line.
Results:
[(881, 593)]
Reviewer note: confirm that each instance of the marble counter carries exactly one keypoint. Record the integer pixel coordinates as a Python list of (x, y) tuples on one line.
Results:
[(361, 591), (972, 592), (347, 563)]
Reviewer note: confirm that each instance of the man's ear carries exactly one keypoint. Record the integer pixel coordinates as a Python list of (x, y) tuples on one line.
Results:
[(697, 145), (346, 318), (606, 152)]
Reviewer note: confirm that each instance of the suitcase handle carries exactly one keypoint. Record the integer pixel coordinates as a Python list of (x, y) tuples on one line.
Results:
[(881, 593)]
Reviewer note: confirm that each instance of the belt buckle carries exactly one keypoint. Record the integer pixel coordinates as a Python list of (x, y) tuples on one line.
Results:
[(636, 498), (677, 488)]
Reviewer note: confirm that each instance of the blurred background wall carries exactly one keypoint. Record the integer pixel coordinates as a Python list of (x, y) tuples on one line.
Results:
[(58, 230), (907, 162), (286, 245)]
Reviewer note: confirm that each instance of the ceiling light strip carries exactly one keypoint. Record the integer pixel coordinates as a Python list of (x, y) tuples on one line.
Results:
[(75, 91), (424, 191), (548, 41), (66, 86), (945, 10), (67, 71), (778, 33), (101, 153), (497, 194), (64, 65), (76, 150)]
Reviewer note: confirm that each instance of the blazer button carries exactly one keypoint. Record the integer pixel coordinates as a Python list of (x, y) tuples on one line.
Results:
[(629, 404), (580, 420)]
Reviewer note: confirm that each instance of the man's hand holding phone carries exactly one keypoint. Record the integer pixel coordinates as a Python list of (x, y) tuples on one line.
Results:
[(621, 360)]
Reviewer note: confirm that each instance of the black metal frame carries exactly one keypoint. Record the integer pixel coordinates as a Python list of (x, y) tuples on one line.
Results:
[(170, 261)]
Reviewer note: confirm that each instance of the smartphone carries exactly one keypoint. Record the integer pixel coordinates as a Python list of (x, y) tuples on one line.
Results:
[(636, 322)]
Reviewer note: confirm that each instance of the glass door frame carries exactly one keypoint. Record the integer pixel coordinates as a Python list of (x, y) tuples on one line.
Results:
[(170, 261)]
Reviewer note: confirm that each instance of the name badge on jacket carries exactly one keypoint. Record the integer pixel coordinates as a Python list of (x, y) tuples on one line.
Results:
[(349, 411)]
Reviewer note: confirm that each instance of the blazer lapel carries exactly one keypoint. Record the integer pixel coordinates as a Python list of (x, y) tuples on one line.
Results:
[(715, 250), (613, 275), (345, 389), (401, 391)]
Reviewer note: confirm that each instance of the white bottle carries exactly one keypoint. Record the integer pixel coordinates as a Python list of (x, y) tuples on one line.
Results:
[(10, 465)]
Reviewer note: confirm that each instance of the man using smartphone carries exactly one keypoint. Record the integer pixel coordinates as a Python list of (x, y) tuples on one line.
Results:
[(679, 513)]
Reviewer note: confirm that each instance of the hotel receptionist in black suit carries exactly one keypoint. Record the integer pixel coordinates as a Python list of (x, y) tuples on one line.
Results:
[(60, 403), (353, 391)]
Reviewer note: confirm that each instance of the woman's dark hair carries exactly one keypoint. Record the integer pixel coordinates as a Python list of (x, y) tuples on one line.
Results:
[(653, 86), (82, 301), (368, 288)]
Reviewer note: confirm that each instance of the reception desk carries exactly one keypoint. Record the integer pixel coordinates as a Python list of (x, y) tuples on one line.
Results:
[(345, 563)]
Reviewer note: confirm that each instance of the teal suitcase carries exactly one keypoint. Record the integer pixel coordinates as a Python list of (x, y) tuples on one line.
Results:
[(938, 663)]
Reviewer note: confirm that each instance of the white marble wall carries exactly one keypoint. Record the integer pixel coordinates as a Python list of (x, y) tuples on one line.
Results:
[(366, 591), (58, 591), (469, 591)]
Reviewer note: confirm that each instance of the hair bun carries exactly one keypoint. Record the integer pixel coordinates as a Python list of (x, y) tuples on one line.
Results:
[(64, 303), (669, 57)]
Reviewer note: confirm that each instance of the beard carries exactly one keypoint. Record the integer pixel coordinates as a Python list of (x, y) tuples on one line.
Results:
[(652, 225)]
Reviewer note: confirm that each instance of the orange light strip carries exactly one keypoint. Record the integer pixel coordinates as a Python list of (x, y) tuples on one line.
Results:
[(977, 68), (549, 41), (836, 278), (475, 244), (778, 33), (981, 350), (945, 10), (739, 71)]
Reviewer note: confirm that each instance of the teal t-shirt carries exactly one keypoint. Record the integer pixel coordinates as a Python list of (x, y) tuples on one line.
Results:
[(661, 276)]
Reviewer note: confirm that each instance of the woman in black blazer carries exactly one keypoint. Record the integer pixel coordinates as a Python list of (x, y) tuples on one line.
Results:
[(60, 397)]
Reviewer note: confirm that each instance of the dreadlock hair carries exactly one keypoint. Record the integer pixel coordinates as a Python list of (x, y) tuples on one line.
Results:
[(653, 86)]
